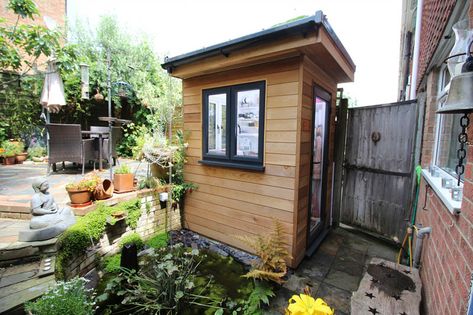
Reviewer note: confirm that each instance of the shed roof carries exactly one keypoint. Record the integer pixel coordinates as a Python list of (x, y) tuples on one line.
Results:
[(301, 26)]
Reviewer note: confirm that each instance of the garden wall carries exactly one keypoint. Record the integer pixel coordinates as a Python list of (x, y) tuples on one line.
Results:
[(153, 221)]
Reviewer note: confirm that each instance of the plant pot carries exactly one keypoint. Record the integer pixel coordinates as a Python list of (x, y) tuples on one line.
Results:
[(157, 171), (9, 160), (20, 158), (123, 182), (104, 190), (79, 196)]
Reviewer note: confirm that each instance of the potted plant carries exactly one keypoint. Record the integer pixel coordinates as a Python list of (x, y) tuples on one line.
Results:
[(158, 153), (8, 152), (81, 192), (37, 153), (20, 152), (123, 179)]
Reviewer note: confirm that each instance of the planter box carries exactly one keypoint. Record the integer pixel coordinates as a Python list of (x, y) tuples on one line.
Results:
[(123, 182), (20, 158), (9, 160)]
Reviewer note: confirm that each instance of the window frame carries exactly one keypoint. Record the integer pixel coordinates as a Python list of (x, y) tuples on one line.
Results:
[(231, 159)]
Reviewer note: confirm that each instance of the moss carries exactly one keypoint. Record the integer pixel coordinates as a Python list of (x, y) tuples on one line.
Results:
[(90, 228), (158, 241), (111, 264), (132, 238)]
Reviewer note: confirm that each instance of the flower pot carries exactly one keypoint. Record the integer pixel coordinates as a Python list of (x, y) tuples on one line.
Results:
[(79, 196), (157, 171), (123, 182), (20, 158), (9, 160), (104, 190)]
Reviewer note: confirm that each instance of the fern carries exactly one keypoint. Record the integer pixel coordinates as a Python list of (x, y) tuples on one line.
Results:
[(272, 251), (261, 293)]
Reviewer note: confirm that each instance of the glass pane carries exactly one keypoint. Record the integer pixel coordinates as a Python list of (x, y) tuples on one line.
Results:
[(317, 163), (216, 137), (248, 104), (448, 142)]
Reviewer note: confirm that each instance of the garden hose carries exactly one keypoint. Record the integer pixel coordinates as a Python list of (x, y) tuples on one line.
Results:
[(418, 172)]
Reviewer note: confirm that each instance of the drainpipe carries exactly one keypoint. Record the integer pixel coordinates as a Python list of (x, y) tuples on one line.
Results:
[(415, 58), (420, 236)]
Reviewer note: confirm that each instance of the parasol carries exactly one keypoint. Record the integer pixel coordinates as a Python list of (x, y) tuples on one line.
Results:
[(52, 96)]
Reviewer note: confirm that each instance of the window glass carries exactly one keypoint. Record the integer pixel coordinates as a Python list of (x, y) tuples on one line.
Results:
[(248, 105), (217, 108)]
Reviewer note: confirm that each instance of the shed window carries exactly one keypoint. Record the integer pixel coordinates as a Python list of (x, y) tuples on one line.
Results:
[(233, 126)]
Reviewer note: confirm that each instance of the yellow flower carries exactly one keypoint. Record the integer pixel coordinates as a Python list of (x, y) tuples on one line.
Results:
[(304, 304)]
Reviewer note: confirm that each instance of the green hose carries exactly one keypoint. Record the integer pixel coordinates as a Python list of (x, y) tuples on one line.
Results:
[(418, 171)]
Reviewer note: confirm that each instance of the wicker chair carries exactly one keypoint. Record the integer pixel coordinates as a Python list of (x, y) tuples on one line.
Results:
[(117, 135), (66, 144)]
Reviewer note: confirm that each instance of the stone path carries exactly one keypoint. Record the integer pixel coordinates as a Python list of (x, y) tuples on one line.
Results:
[(334, 271)]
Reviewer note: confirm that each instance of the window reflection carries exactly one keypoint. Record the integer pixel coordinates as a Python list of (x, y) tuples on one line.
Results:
[(248, 105), (217, 124)]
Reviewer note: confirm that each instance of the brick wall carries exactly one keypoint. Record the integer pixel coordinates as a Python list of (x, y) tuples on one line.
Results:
[(447, 258), (435, 16), (150, 223)]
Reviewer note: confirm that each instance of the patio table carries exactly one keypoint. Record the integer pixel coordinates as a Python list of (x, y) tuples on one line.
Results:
[(101, 135)]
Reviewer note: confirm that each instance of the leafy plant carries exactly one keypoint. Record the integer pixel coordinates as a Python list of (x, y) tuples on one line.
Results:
[(133, 238), (36, 151), (272, 252), (165, 286), (9, 149), (122, 169), (260, 295), (65, 298)]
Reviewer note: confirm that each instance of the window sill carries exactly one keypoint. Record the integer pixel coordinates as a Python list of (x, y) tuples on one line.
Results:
[(454, 207), (259, 168)]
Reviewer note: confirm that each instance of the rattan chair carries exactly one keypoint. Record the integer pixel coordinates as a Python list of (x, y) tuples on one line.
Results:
[(117, 135), (66, 144)]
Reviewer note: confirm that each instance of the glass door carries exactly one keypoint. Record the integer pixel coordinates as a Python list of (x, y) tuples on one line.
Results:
[(317, 211)]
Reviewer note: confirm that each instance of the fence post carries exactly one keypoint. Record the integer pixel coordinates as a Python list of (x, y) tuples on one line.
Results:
[(340, 141)]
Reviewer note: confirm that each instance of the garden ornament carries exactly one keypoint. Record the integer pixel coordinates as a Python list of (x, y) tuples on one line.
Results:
[(48, 220)]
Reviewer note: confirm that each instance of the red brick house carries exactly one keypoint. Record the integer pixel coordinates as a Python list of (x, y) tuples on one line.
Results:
[(447, 257)]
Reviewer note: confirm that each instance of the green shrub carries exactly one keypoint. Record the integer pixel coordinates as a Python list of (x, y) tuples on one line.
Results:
[(122, 169), (65, 298), (132, 238), (9, 148), (36, 151), (111, 264), (158, 241), (76, 239)]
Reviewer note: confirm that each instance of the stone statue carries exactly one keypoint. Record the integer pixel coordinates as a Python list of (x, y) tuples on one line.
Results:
[(48, 220)]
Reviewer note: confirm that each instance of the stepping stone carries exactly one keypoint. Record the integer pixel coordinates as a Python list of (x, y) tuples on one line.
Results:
[(387, 289)]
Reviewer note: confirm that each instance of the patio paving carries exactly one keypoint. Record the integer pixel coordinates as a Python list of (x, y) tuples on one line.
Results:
[(335, 270)]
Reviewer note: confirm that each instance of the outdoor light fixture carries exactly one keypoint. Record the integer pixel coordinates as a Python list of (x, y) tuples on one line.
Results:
[(460, 101), (84, 81)]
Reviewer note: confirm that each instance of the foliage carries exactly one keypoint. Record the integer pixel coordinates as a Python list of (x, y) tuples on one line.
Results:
[(271, 249), (89, 229), (179, 190), (111, 264), (122, 169), (132, 209), (9, 148), (158, 241), (36, 151), (133, 238), (261, 294), (65, 298), (88, 182), (149, 182), (165, 286)]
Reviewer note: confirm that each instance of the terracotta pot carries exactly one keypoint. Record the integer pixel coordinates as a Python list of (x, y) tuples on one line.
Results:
[(79, 196), (123, 182), (158, 171), (20, 158), (9, 160), (104, 190)]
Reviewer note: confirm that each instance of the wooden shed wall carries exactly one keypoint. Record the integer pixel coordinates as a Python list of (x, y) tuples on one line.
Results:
[(311, 74), (232, 202)]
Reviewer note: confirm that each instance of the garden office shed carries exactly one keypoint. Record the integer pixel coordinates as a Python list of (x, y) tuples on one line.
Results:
[(260, 113)]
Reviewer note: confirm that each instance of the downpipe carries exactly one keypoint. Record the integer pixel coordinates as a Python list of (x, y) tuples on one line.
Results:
[(418, 250)]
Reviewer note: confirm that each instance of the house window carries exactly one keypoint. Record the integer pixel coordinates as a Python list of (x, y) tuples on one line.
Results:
[(233, 126), (448, 129)]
